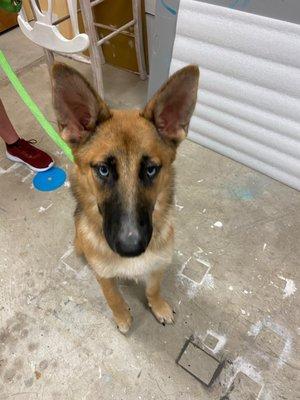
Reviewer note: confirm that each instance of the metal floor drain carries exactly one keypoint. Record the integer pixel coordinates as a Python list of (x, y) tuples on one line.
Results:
[(199, 363)]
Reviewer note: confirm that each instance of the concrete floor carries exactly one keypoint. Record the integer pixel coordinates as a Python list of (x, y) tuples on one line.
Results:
[(237, 232)]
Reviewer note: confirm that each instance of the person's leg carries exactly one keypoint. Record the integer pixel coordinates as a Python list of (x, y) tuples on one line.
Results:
[(20, 150), (7, 131)]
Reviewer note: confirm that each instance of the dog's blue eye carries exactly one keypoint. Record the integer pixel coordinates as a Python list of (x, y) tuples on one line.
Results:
[(151, 171), (103, 171)]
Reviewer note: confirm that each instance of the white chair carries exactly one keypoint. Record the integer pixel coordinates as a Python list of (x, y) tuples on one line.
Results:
[(44, 32)]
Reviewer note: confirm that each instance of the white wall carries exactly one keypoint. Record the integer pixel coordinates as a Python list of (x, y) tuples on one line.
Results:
[(249, 99), (150, 17)]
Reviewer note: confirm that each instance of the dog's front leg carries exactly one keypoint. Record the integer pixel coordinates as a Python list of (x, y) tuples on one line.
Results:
[(158, 305), (116, 302)]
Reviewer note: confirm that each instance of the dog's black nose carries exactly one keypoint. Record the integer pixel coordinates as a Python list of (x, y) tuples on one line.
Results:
[(128, 233), (130, 242)]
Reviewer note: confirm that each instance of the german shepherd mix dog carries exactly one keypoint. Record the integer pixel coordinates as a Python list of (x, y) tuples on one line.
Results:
[(123, 181)]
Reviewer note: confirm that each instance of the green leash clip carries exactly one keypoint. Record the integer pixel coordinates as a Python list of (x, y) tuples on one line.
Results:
[(13, 6), (34, 108)]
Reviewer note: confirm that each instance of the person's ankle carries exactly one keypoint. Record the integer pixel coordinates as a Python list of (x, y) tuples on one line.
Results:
[(14, 143)]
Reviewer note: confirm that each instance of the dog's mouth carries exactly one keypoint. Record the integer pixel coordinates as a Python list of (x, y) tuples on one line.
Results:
[(127, 234)]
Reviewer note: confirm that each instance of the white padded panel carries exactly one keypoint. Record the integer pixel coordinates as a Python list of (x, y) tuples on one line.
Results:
[(249, 99)]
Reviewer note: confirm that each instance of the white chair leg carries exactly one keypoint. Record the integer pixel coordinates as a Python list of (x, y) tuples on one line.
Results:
[(96, 62), (138, 38), (72, 6)]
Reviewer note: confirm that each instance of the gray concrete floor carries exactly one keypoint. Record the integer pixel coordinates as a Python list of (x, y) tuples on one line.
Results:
[(237, 237)]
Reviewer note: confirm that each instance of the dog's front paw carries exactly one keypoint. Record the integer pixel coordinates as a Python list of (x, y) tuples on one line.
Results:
[(123, 321), (162, 311)]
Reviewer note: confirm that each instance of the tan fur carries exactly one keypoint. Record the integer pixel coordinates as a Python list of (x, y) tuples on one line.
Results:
[(128, 135), (89, 236), (116, 302)]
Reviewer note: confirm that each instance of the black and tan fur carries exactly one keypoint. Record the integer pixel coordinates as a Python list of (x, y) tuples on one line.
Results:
[(123, 181)]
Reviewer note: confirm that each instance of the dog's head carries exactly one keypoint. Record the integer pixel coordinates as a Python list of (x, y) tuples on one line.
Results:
[(124, 157)]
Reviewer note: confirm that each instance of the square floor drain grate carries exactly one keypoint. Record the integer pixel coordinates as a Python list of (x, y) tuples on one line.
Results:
[(199, 363), (243, 388), (195, 270)]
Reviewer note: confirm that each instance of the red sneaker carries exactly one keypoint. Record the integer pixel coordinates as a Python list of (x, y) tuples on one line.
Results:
[(23, 151)]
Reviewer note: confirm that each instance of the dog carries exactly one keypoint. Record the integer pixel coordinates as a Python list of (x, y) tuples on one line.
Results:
[(123, 181)]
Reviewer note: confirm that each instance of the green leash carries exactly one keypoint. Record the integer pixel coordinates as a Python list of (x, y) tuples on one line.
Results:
[(13, 6), (33, 107)]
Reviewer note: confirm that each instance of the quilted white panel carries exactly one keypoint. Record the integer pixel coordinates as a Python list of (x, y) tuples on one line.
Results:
[(249, 99)]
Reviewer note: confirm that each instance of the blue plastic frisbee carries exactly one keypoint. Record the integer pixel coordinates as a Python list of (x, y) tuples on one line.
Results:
[(49, 180)]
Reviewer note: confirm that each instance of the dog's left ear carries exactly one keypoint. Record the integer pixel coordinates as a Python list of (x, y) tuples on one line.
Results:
[(78, 108), (171, 108)]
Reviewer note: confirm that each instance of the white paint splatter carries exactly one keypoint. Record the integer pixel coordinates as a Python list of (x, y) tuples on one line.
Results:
[(9, 169), (79, 275), (204, 210), (185, 264), (280, 331), (200, 180), (255, 329), (197, 256), (218, 224), (221, 341), (230, 288), (241, 365), (290, 287), (43, 209), (273, 284), (265, 394), (244, 366), (208, 281), (192, 289), (264, 247), (27, 176), (243, 311), (179, 206), (67, 253)]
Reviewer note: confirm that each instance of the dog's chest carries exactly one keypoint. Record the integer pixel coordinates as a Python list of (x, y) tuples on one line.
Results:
[(136, 267)]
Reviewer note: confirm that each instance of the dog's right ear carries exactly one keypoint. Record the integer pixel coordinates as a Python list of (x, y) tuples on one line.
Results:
[(78, 108)]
